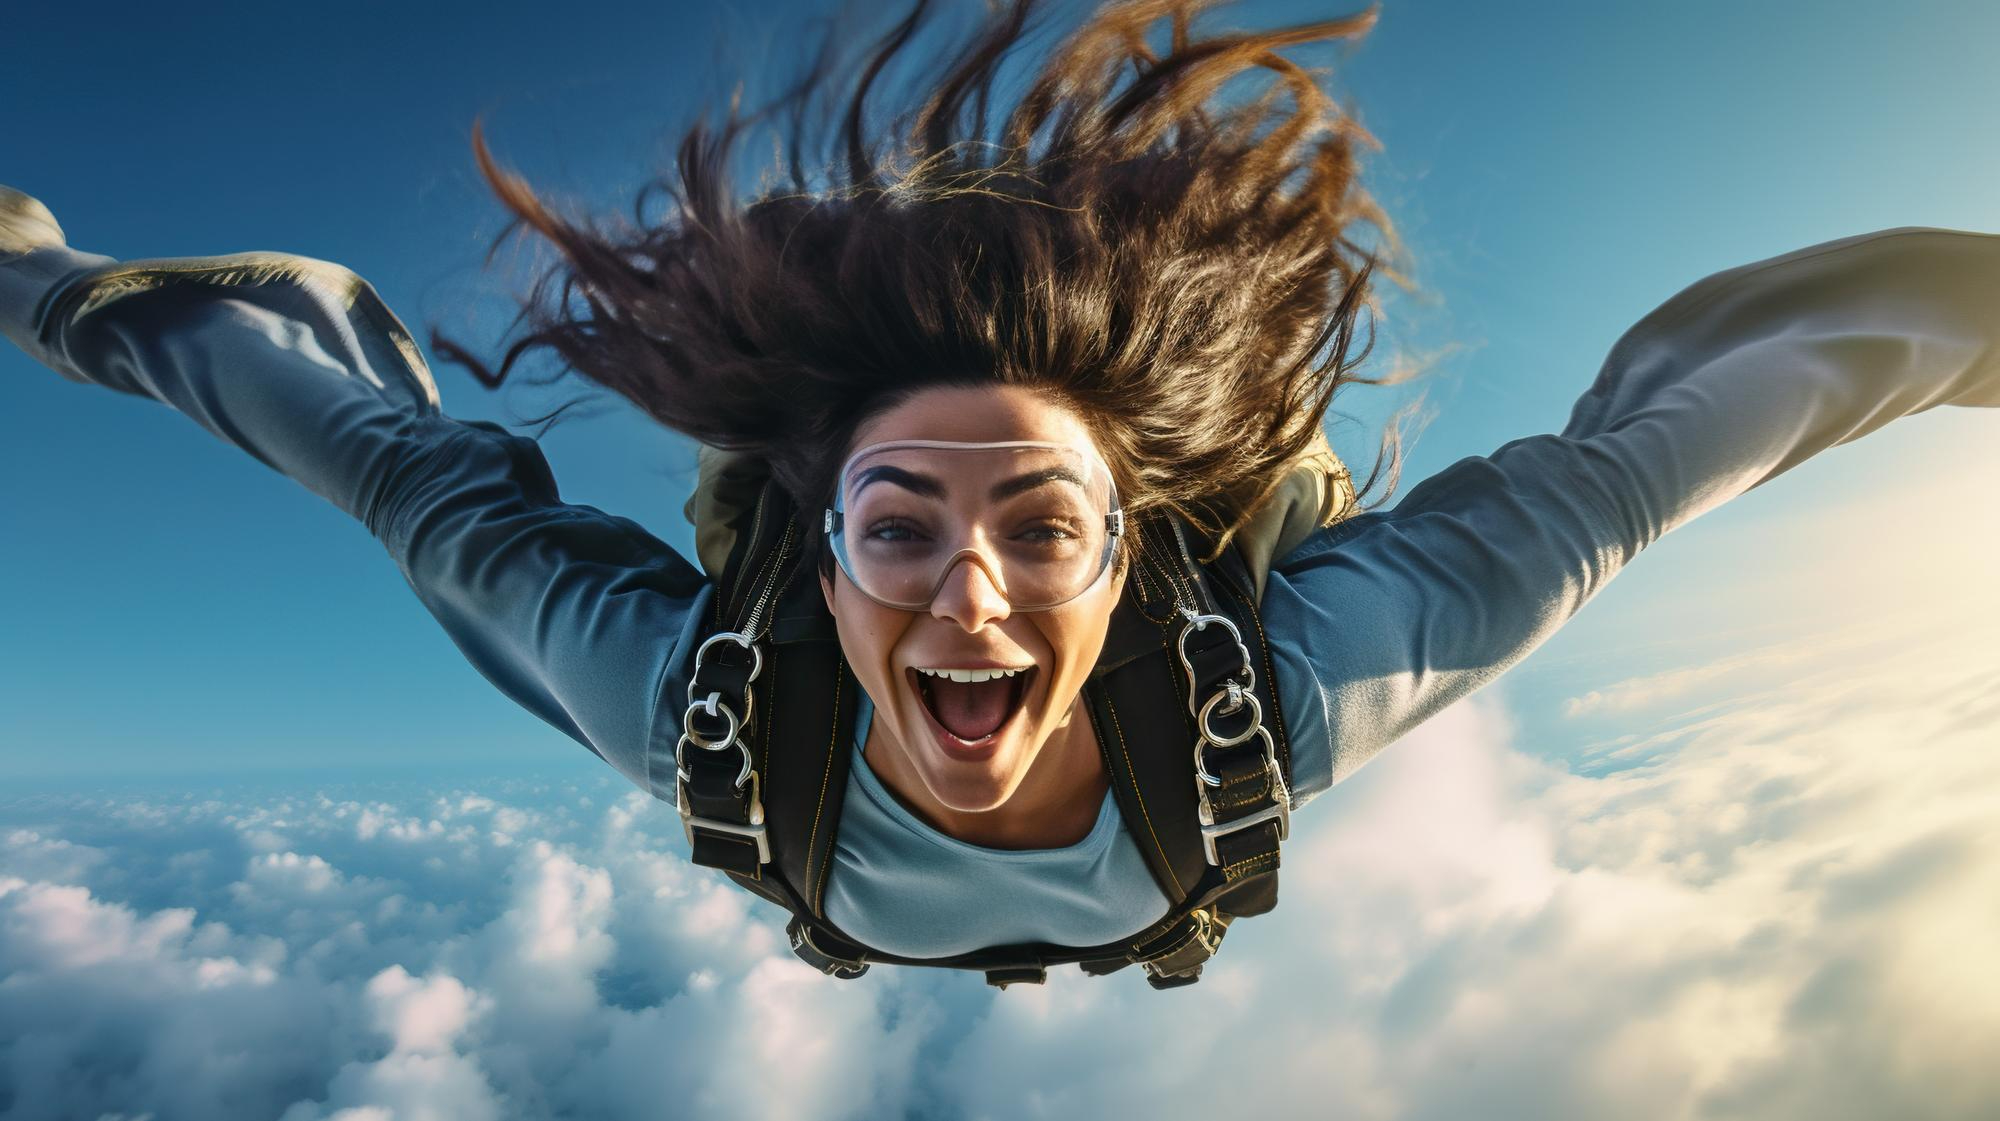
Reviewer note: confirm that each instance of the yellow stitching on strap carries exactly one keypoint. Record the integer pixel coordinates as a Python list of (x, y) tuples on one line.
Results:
[(833, 744), (1245, 866), (1134, 775), (1276, 712)]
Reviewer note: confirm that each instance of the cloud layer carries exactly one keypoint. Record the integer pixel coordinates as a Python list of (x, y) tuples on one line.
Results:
[(1776, 906)]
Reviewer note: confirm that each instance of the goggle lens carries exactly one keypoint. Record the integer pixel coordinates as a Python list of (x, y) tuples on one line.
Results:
[(1041, 519)]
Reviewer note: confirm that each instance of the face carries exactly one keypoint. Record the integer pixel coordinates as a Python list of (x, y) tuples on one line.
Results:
[(970, 624)]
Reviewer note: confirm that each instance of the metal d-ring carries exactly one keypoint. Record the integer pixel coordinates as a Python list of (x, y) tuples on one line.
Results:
[(715, 695), (712, 706), (749, 696), (1270, 758), (740, 639), (1256, 718)]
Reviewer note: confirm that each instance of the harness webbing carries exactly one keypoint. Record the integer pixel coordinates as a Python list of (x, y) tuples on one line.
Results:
[(772, 715)]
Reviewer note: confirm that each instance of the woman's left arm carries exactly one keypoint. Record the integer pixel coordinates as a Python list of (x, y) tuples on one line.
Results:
[(1383, 620), (580, 616)]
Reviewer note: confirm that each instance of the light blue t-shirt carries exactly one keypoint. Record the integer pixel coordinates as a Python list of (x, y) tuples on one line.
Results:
[(902, 887), (1375, 624)]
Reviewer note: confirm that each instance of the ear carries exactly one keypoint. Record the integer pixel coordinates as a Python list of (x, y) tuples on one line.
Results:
[(826, 589)]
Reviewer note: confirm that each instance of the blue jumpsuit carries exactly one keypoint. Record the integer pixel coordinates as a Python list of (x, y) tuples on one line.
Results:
[(590, 622)]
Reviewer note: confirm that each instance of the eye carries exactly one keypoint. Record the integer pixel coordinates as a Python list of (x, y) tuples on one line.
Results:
[(1049, 532), (893, 531)]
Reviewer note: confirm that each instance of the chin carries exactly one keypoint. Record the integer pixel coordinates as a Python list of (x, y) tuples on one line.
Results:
[(974, 797)]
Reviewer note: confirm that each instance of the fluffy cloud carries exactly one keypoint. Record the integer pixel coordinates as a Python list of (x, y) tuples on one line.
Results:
[(1774, 907)]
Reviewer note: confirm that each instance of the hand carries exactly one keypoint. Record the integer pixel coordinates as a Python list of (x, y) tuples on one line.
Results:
[(25, 224)]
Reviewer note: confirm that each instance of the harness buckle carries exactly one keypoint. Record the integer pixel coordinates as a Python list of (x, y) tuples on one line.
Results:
[(1234, 692), (1180, 963), (1280, 809), (1003, 976), (754, 830), (809, 951)]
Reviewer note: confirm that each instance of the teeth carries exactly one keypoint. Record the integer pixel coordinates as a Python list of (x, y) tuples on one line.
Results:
[(970, 675)]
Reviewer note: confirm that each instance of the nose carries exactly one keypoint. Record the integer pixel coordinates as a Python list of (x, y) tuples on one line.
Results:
[(969, 596)]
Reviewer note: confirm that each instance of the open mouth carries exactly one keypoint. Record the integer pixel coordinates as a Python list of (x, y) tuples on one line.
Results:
[(970, 715)]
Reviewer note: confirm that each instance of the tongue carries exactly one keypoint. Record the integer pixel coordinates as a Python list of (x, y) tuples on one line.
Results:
[(971, 710)]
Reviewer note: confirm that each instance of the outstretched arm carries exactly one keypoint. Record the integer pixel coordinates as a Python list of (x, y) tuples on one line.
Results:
[(581, 617), (1383, 620)]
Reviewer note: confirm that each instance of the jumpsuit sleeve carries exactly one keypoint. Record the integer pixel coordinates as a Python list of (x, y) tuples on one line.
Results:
[(1385, 619), (581, 617)]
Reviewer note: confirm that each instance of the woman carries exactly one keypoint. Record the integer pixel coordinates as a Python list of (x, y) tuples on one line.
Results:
[(1150, 284)]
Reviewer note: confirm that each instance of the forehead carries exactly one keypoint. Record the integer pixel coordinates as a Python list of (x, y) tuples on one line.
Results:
[(975, 414), (983, 472)]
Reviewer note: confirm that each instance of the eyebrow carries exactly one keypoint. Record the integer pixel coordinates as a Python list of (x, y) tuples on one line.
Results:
[(929, 487), (1008, 488)]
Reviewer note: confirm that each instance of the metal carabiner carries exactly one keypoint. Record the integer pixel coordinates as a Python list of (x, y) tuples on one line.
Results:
[(740, 639), (1198, 622)]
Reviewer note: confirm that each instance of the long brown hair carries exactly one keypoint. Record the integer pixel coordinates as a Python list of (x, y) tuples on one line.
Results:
[(1173, 264)]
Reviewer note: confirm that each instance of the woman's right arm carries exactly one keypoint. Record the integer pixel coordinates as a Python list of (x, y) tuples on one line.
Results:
[(581, 617), (1384, 619)]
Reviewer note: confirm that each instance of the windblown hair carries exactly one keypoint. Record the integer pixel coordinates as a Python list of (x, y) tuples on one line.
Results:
[(1174, 265)]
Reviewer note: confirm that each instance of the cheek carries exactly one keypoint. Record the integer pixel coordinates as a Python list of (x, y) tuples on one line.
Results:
[(868, 636), (1076, 641)]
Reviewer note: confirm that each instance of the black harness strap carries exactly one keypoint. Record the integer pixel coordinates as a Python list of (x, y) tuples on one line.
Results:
[(775, 689), (818, 697), (720, 789), (1213, 846), (772, 716)]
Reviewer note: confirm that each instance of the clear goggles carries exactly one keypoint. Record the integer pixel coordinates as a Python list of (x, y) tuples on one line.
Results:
[(1041, 519)]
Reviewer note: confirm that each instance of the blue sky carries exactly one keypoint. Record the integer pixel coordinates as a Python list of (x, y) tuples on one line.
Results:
[(1720, 848), (1557, 171)]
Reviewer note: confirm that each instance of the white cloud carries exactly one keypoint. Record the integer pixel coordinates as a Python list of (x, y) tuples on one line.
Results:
[(1677, 684), (1787, 914), (421, 1017), (24, 852), (422, 1078)]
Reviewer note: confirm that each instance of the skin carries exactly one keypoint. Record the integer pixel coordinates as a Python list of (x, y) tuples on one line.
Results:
[(1045, 784)]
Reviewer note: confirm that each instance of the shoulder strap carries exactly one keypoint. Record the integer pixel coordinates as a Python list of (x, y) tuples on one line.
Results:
[(1208, 820), (762, 766), (719, 783)]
